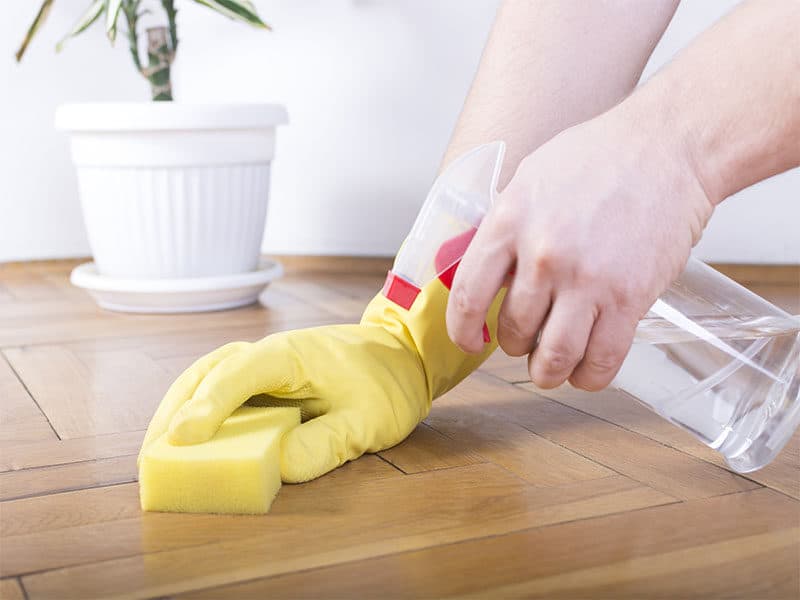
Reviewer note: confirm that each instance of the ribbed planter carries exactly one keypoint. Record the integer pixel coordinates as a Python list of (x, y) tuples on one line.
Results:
[(171, 190)]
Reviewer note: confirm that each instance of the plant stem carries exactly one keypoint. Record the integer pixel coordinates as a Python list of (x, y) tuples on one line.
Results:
[(169, 8), (130, 8), (157, 71)]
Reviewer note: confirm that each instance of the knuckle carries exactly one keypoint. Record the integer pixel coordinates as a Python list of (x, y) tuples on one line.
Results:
[(505, 215), (550, 257), (545, 261), (624, 294), (463, 302), (556, 359), (606, 359)]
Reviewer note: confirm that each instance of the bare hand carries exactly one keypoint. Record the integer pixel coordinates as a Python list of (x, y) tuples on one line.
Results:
[(595, 225)]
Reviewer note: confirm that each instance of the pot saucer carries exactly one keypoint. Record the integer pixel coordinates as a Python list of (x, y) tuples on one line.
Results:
[(199, 294)]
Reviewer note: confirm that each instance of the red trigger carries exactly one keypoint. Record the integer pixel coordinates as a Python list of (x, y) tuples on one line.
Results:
[(447, 260)]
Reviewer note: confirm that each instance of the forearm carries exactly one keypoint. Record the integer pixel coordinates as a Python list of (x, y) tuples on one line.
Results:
[(550, 64), (731, 101)]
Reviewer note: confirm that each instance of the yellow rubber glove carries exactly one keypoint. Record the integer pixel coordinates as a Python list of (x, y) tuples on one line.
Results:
[(361, 388)]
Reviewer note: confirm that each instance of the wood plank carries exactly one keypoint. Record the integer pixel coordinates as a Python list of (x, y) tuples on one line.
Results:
[(786, 297), (527, 455), (30, 286), (758, 566), (760, 274), (308, 529), (92, 393), (782, 474), (11, 589), (361, 287), (316, 293), (191, 344), (48, 514), (20, 418), (631, 454), (736, 546), (57, 320), (93, 506), (96, 524), (426, 450), (620, 409), (316, 264), (50, 265), (29, 455), (71, 476)]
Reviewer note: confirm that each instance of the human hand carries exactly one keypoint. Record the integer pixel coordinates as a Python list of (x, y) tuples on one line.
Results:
[(339, 376), (595, 225), (360, 388)]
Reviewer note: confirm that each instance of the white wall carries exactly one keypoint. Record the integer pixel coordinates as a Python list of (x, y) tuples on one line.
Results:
[(373, 88)]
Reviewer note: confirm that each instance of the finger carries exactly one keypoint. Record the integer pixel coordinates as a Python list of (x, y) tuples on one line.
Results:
[(523, 312), (563, 341), (608, 346), (476, 283), (322, 444), (271, 368), (184, 386)]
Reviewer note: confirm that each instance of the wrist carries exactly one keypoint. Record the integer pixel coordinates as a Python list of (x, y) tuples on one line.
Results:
[(667, 132)]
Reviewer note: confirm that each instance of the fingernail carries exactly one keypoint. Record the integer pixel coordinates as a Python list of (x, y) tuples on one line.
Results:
[(486, 336)]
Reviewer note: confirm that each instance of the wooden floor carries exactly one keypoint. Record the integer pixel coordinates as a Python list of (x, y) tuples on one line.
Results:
[(502, 492)]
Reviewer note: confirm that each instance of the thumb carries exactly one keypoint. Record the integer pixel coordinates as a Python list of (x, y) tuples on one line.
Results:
[(322, 444)]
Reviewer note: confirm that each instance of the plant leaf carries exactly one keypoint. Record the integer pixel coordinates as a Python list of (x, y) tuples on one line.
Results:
[(38, 20), (90, 16), (112, 11), (238, 10)]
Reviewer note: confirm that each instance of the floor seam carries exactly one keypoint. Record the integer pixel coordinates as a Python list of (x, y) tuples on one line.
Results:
[(69, 490), (32, 397), (69, 462)]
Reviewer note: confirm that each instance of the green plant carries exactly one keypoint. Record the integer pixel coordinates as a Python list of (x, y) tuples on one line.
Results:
[(162, 42)]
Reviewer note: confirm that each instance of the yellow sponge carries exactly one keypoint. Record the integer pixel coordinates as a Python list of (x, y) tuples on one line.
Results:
[(236, 471)]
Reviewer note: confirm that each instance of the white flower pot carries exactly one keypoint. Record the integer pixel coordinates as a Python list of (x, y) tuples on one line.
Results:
[(173, 190)]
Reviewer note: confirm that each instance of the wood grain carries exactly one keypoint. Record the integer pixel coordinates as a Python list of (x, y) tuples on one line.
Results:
[(782, 474), (694, 550), (529, 456), (10, 589), (427, 449), (354, 523), (619, 449)]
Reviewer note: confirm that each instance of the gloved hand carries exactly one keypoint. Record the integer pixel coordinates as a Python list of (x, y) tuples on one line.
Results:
[(361, 388)]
